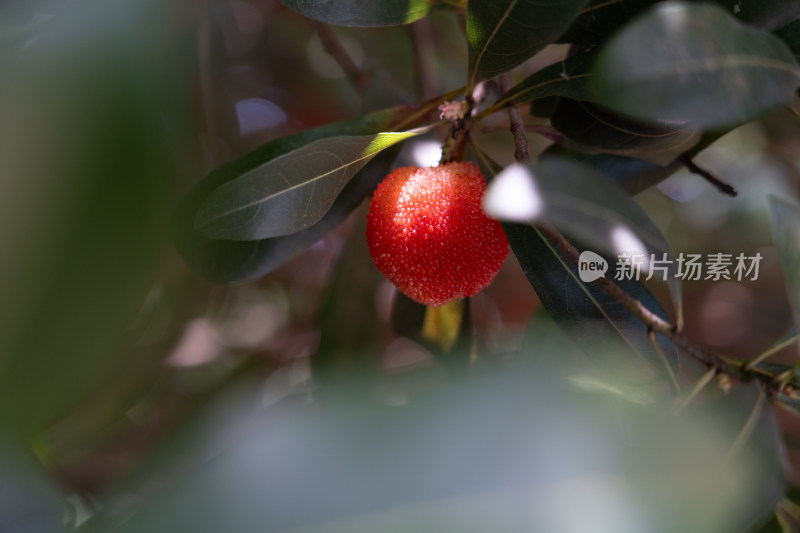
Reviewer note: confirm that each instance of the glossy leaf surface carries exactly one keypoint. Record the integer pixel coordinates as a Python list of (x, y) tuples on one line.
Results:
[(291, 192), (687, 63), (504, 33)]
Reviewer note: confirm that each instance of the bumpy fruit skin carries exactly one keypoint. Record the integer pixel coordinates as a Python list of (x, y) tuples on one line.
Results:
[(428, 235)]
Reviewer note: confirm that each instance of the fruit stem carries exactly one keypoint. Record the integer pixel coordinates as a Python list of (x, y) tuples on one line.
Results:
[(517, 127)]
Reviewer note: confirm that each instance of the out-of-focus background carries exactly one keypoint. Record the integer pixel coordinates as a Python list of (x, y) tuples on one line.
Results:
[(123, 373)]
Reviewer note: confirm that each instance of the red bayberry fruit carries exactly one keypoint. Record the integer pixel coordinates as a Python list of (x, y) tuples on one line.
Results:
[(428, 235)]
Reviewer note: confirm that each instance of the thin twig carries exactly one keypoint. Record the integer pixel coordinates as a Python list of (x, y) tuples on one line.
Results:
[(339, 53), (650, 319), (517, 126), (216, 147), (718, 364), (723, 187), (422, 43), (654, 322)]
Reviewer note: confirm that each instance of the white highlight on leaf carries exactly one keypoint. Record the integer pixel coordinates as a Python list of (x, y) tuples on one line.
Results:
[(426, 153), (625, 242), (513, 196)]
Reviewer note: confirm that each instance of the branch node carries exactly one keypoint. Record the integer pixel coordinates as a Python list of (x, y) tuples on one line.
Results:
[(521, 154)]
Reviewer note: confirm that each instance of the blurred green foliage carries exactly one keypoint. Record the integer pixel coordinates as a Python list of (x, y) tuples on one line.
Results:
[(136, 396)]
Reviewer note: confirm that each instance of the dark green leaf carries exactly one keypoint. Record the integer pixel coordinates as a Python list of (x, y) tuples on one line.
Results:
[(693, 63), (790, 34), (585, 206), (786, 234), (543, 107), (592, 130), (225, 261), (291, 192), (601, 18), (566, 78), (631, 175), (504, 33), (360, 13), (588, 314)]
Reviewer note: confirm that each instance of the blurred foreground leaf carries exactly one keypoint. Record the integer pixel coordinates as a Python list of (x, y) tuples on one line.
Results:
[(509, 454), (85, 174), (30, 502), (685, 63), (601, 18)]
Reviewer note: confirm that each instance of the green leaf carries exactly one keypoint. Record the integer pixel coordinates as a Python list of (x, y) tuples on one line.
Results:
[(543, 446), (629, 174), (693, 64), (504, 33), (565, 78), (225, 261), (584, 311), (790, 34), (601, 18), (786, 234), (87, 156), (765, 14), (592, 130), (363, 14), (292, 191), (585, 206)]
